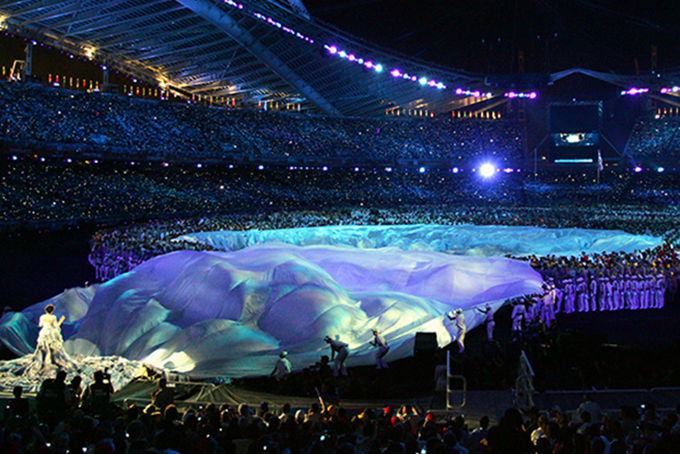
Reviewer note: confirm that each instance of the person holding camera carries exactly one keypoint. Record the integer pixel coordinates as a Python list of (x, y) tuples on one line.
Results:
[(97, 396)]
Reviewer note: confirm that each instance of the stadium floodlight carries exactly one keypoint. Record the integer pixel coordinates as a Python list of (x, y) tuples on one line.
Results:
[(487, 170)]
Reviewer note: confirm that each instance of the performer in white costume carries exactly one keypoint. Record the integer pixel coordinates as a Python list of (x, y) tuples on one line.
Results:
[(49, 351), (519, 312), (339, 352), (283, 367), (380, 342), (489, 321), (459, 318), (548, 304), (49, 355)]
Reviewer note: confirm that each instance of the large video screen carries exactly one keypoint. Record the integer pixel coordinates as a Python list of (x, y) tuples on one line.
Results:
[(575, 117), (575, 139)]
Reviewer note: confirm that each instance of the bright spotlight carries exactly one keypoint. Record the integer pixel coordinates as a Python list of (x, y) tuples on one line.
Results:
[(487, 170)]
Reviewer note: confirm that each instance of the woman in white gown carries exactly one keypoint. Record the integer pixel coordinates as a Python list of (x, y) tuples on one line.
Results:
[(49, 351)]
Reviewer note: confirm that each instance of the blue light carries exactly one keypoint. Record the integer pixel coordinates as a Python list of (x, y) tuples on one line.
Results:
[(421, 170), (660, 169), (455, 170), (422, 81), (260, 167), (378, 67)]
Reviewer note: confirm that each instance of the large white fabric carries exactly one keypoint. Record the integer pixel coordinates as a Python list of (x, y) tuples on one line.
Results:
[(472, 240), (231, 313)]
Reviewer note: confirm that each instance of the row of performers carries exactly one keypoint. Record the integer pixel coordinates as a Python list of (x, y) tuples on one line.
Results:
[(581, 295), (609, 293)]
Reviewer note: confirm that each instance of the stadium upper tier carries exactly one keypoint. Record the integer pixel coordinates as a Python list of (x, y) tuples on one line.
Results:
[(655, 138), (257, 50), (119, 127)]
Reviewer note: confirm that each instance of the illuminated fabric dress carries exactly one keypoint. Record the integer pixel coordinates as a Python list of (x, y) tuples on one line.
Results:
[(49, 351)]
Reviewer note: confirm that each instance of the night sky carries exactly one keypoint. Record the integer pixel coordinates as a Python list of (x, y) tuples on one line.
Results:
[(486, 36)]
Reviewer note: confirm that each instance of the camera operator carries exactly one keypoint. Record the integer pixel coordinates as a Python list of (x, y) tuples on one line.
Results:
[(97, 396)]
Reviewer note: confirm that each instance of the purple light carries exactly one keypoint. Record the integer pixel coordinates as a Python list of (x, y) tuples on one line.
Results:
[(532, 95), (455, 170), (395, 73), (324, 168), (332, 50), (635, 91), (351, 57), (459, 91), (369, 64), (638, 169)]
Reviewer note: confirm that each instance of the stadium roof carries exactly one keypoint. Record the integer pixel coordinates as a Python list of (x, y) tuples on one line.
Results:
[(260, 50)]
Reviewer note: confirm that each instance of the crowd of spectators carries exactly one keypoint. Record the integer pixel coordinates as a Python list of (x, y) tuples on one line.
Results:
[(166, 426), (115, 126), (655, 138)]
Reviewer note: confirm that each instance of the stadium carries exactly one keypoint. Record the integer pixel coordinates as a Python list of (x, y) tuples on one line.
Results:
[(479, 216)]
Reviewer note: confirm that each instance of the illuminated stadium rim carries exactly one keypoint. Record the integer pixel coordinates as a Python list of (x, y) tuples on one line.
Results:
[(389, 168), (369, 64)]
